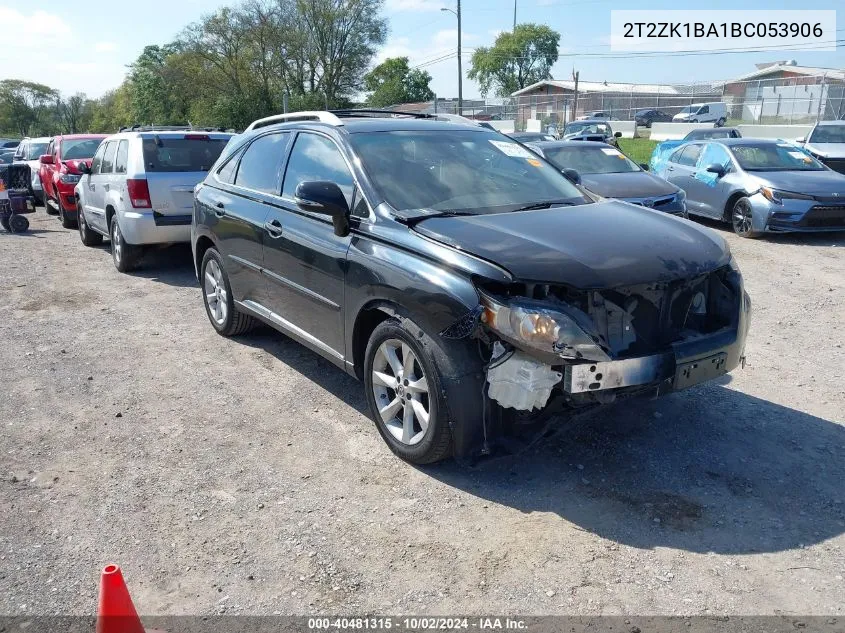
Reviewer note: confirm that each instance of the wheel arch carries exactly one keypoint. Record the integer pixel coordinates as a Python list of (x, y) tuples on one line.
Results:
[(729, 205), (201, 246), (368, 318)]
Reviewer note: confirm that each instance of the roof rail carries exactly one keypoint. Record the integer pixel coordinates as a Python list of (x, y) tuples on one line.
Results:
[(323, 117), (378, 113), (155, 128)]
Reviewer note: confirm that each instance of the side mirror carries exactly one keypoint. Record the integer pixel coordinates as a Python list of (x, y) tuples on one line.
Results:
[(84, 168), (572, 175), (801, 140), (717, 169), (644, 166), (618, 135), (46, 159), (325, 197)]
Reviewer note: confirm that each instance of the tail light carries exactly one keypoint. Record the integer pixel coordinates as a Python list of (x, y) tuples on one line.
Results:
[(139, 193), (197, 137)]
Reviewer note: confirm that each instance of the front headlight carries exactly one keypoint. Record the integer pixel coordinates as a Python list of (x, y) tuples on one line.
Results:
[(777, 196), (69, 179), (543, 329)]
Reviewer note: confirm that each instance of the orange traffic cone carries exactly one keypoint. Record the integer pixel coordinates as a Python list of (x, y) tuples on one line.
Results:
[(116, 613)]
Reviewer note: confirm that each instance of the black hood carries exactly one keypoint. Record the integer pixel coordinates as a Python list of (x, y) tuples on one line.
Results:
[(636, 184), (592, 246)]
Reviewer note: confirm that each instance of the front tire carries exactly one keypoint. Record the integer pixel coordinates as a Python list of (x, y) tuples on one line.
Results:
[(404, 393), (742, 219), (721, 122), (219, 302), (88, 237), (67, 221), (125, 256)]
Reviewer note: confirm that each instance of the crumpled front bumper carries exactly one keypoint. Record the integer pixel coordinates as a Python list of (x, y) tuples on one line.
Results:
[(687, 363)]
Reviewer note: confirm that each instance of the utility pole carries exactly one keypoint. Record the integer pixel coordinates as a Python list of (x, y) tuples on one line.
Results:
[(575, 97), (460, 71), (514, 16)]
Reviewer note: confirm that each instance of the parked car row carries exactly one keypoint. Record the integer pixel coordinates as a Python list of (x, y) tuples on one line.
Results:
[(473, 288), (475, 284)]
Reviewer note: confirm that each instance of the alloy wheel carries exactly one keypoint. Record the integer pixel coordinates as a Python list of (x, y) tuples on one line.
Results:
[(215, 293), (742, 218), (400, 387), (116, 242), (83, 228)]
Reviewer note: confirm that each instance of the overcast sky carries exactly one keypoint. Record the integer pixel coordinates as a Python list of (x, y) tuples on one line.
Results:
[(86, 46)]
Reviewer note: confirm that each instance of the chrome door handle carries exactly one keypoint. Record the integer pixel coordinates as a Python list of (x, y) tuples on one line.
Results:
[(274, 228)]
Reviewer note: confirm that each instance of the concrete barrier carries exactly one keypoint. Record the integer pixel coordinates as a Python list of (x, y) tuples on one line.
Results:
[(674, 131), (628, 128), (504, 126), (786, 132), (533, 125)]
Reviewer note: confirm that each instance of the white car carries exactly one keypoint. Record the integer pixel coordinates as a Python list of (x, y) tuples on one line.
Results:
[(714, 112), (139, 190), (29, 151), (826, 142)]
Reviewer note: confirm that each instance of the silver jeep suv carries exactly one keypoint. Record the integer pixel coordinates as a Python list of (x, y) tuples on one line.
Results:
[(139, 190)]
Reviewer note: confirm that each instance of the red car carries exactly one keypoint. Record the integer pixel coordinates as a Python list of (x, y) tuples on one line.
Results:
[(60, 172)]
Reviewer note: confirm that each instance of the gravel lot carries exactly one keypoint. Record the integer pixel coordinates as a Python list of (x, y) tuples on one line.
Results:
[(243, 476)]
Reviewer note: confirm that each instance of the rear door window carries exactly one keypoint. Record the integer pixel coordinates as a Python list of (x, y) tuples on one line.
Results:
[(122, 157), (191, 153), (261, 166)]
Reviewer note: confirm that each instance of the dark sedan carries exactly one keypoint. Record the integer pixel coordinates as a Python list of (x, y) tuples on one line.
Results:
[(590, 131), (606, 171), (530, 137), (647, 117)]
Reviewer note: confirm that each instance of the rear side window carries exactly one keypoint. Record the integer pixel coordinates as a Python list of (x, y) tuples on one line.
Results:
[(689, 155), (107, 166), (227, 172), (167, 154), (121, 157), (261, 165), (315, 157)]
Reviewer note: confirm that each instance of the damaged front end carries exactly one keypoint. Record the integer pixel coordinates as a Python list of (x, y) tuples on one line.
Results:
[(549, 343)]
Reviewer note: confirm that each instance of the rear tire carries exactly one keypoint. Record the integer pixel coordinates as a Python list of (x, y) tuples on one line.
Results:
[(125, 256), (88, 237), (721, 122), (408, 392), (218, 300)]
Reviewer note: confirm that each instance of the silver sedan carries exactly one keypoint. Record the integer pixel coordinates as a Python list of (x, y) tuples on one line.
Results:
[(758, 185)]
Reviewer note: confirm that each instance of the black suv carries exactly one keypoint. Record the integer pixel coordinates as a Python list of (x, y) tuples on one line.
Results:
[(464, 279)]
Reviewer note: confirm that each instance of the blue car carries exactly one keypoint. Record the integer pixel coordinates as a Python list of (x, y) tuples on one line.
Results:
[(757, 185)]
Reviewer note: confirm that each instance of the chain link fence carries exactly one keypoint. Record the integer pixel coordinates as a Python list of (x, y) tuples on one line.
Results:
[(795, 99)]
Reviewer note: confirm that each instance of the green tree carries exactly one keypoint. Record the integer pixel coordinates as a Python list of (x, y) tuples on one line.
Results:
[(517, 59), (393, 82), (26, 107)]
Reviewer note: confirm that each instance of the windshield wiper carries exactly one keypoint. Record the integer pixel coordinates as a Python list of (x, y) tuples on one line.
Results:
[(412, 216), (545, 204)]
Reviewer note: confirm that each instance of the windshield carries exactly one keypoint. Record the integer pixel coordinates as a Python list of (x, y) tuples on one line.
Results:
[(717, 132), (774, 157), (587, 128), (590, 160), (828, 134), (688, 109), (35, 151), (75, 149), (182, 154), (462, 171)]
